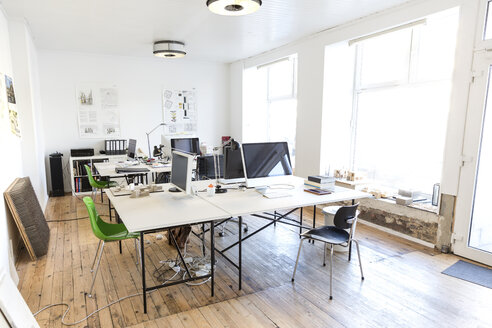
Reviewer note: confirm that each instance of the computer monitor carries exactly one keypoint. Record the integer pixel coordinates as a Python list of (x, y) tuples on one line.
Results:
[(266, 163), (132, 148), (233, 166), (186, 145), (206, 167), (182, 171)]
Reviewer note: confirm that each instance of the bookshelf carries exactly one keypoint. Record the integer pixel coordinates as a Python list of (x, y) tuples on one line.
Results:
[(78, 176)]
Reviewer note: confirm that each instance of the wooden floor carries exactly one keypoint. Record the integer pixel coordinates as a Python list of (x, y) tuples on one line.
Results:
[(403, 285)]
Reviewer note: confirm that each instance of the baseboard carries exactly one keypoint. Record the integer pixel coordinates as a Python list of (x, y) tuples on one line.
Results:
[(396, 233)]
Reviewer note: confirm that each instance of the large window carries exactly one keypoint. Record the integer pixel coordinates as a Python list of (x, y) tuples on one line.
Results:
[(270, 103), (400, 93)]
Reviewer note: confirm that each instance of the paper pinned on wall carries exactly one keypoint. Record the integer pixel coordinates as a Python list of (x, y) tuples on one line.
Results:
[(179, 112), (12, 109), (98, 111)]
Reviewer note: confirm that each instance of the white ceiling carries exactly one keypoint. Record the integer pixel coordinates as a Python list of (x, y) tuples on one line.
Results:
[(129, 27)]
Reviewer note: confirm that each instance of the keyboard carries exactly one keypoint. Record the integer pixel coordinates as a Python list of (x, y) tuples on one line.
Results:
[(131, 170), (272, 193)]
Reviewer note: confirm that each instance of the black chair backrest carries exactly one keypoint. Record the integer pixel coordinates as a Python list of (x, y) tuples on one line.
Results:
[(343, 214)]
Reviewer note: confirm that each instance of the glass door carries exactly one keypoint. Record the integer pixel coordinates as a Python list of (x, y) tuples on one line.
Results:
[(473, 220)]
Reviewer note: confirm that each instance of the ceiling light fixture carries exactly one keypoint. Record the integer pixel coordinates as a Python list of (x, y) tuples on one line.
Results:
[(169, 49), (233, 7)]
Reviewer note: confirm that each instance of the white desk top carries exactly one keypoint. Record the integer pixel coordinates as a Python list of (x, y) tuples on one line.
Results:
[(165, 209), (242, 202), (108, 169)]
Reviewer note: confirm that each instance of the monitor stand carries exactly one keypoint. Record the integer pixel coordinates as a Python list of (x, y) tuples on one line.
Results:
[(174, 189)]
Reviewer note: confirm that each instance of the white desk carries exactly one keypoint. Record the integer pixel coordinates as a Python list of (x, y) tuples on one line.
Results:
[(165, 210), (109, 170), (161, 210), (249, 202)]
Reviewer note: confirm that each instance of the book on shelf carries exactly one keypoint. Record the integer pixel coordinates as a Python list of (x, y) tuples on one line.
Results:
[(321, 179)]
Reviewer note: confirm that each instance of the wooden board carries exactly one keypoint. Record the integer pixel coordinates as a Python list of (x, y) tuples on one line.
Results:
[(28, 216)]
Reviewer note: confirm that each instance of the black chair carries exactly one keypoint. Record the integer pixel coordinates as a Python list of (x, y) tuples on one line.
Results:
[(345, 218)]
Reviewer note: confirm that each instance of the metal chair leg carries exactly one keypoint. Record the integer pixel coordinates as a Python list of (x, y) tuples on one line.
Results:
[(136, 250), (358, 254), (102, 198), (331, 271), (95, 255), (324, 254), (97, 269), (297, 261)]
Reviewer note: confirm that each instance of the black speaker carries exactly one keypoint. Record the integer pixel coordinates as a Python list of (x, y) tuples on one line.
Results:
[(56, 169)]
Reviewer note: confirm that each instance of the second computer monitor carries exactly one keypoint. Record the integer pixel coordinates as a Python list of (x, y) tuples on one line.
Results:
[(233, 166), (182, 170), (266, 163), (132, 148), (186, 145)]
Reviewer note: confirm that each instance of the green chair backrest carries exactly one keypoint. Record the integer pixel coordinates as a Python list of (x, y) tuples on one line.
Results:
[(92, 182), (94, 218)]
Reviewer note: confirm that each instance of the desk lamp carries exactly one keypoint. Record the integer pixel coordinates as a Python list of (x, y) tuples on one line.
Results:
[(148, 139)]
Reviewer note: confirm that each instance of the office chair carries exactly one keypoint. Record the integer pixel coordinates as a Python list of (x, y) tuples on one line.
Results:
[(98, 184), (345, 218), (106, 232)]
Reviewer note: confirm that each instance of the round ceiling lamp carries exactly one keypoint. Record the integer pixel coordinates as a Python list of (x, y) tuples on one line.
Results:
[(233, 7), (169, 49)]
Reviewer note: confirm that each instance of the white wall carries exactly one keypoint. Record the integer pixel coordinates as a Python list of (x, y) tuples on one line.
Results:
[(21, 155), (25, 70), (140, 82), (11, 166), (310, 52)]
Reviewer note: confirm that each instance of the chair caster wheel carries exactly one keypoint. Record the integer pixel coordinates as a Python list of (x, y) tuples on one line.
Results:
[(324, 264), (362, 278), (292, 279), (221, 234), (245, 229), (331, 297)]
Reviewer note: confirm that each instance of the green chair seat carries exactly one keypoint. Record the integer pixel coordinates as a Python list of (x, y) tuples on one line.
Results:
[(105, 232)]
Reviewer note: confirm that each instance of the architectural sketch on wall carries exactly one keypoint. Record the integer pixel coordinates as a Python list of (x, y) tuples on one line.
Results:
[(179, 112), (10, 105), (3, 97), (98, 111), (9, 85)]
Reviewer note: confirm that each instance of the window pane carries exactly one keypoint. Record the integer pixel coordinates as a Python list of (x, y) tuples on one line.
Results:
[(281, 79), (488, 29), (283, 118), (437, 46), (400, 134), (385, 58)]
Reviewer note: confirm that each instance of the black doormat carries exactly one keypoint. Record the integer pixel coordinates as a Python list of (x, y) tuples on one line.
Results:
[(470, 272)]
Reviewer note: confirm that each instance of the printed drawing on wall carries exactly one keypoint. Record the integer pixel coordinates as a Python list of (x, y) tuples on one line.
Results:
[(179, 112), (11, 103), (3, 97), (98, 111)]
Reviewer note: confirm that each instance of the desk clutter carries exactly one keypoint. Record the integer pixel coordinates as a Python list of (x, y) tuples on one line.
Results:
[(319, 185), (136, 191)]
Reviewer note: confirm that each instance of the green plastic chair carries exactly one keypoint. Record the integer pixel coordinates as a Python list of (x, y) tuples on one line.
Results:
[(106, 232), (98, 184)]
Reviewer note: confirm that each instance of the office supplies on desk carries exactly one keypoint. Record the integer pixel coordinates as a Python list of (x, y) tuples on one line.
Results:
[(132, 148)]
